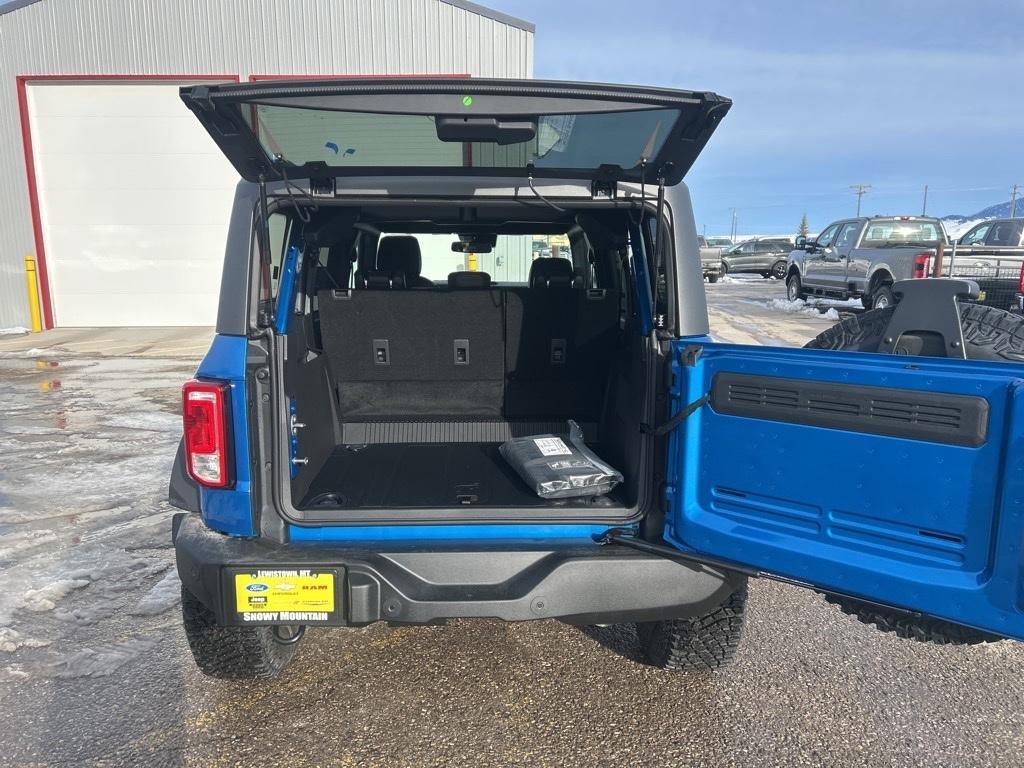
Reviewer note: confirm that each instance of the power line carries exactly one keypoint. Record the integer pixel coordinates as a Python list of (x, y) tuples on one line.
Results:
[(859, 190)]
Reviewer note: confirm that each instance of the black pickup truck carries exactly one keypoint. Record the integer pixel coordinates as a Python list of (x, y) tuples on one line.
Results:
[(992, 254)]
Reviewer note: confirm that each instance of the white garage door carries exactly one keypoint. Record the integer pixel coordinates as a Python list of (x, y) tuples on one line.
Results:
[(134, 199)]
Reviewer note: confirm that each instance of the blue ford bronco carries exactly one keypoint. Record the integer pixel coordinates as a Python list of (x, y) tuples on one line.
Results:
[(387, 321)]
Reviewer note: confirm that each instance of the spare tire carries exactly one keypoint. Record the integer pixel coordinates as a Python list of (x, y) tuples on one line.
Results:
[(989, 334)]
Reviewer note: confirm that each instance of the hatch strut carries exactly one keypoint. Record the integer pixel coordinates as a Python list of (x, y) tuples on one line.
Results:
[(266, 311), (659, 254), (660, 228)]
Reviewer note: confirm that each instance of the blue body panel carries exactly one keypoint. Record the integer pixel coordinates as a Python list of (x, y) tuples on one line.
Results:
[(921, 525), (230, 510), (440, 533)]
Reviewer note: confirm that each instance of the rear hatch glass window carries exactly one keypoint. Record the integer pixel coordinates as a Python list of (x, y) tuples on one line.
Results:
[(366, 139), (454, 127)]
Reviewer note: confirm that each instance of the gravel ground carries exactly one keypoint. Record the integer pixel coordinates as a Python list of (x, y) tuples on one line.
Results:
[(94, 668)]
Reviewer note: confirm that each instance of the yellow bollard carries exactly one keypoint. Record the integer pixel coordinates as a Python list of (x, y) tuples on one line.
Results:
[(32, 285)]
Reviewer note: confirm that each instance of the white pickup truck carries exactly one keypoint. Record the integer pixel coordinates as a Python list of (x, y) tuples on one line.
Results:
[(710, 260)]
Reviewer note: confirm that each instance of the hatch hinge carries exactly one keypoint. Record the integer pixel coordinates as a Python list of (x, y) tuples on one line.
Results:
[(606, 182), (200, 94), (690, 355), (322, 186)]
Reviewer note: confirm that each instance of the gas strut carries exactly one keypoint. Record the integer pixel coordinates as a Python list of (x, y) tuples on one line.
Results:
[(266, 311)]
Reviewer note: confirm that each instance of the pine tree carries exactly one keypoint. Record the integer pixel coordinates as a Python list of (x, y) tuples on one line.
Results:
[(804, 229)]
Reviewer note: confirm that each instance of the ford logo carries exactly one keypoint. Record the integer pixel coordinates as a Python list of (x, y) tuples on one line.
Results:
[(257, 588)]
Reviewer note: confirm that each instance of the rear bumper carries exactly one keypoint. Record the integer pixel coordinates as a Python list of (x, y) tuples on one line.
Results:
[(581, 583)]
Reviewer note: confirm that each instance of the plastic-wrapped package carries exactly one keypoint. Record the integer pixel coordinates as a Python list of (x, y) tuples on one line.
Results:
[(557, 469)]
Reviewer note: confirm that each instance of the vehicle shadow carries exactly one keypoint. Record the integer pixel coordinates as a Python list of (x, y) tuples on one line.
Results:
[(621, 639)]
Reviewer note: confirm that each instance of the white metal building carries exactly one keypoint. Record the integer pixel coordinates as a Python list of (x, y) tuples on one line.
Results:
[(106, 178)]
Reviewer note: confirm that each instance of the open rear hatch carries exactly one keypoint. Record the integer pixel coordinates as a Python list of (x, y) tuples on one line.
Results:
[(325, 129), (383, 428)]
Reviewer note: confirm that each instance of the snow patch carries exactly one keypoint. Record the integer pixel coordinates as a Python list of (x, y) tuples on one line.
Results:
[(34, 352), (22, 540), (16, 330), (10, 641), (801, 307), (164, 595), (46, 598), (785, 305), (15, 672), (92, 663)]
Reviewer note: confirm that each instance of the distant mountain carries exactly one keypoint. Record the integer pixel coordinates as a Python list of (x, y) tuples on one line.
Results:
[(998, 211)]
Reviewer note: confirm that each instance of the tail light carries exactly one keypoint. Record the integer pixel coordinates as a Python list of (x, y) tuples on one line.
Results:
[(204, 412), (922, 265)]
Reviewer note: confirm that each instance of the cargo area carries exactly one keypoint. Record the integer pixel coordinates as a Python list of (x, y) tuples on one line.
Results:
[(404, 382), (434, 474)]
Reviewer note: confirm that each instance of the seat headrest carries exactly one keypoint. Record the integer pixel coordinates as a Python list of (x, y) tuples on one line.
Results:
[(380, 280), (400, 253), (553, 272), (469, 280)]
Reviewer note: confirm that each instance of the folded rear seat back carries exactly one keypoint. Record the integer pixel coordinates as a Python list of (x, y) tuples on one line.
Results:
[(559, 344), (419, 354)]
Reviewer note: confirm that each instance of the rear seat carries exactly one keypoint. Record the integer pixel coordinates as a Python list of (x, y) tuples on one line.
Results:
[(414, 353), (472, 350), (559, 344)]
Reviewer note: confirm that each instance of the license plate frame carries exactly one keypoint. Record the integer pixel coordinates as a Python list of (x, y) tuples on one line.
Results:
[(279, 595)]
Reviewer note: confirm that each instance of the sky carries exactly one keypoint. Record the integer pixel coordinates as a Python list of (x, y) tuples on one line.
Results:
[(826, 94)]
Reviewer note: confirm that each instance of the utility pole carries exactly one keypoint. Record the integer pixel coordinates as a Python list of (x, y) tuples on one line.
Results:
[(732, 233), (1013, 202), (859, 190), (924, 207)]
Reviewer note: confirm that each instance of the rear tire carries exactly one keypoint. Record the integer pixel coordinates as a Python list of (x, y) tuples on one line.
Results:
[(778, 270), (883, 298), (700, 643), (989, 334), (725, 268), (232, 653), (712, 278)]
